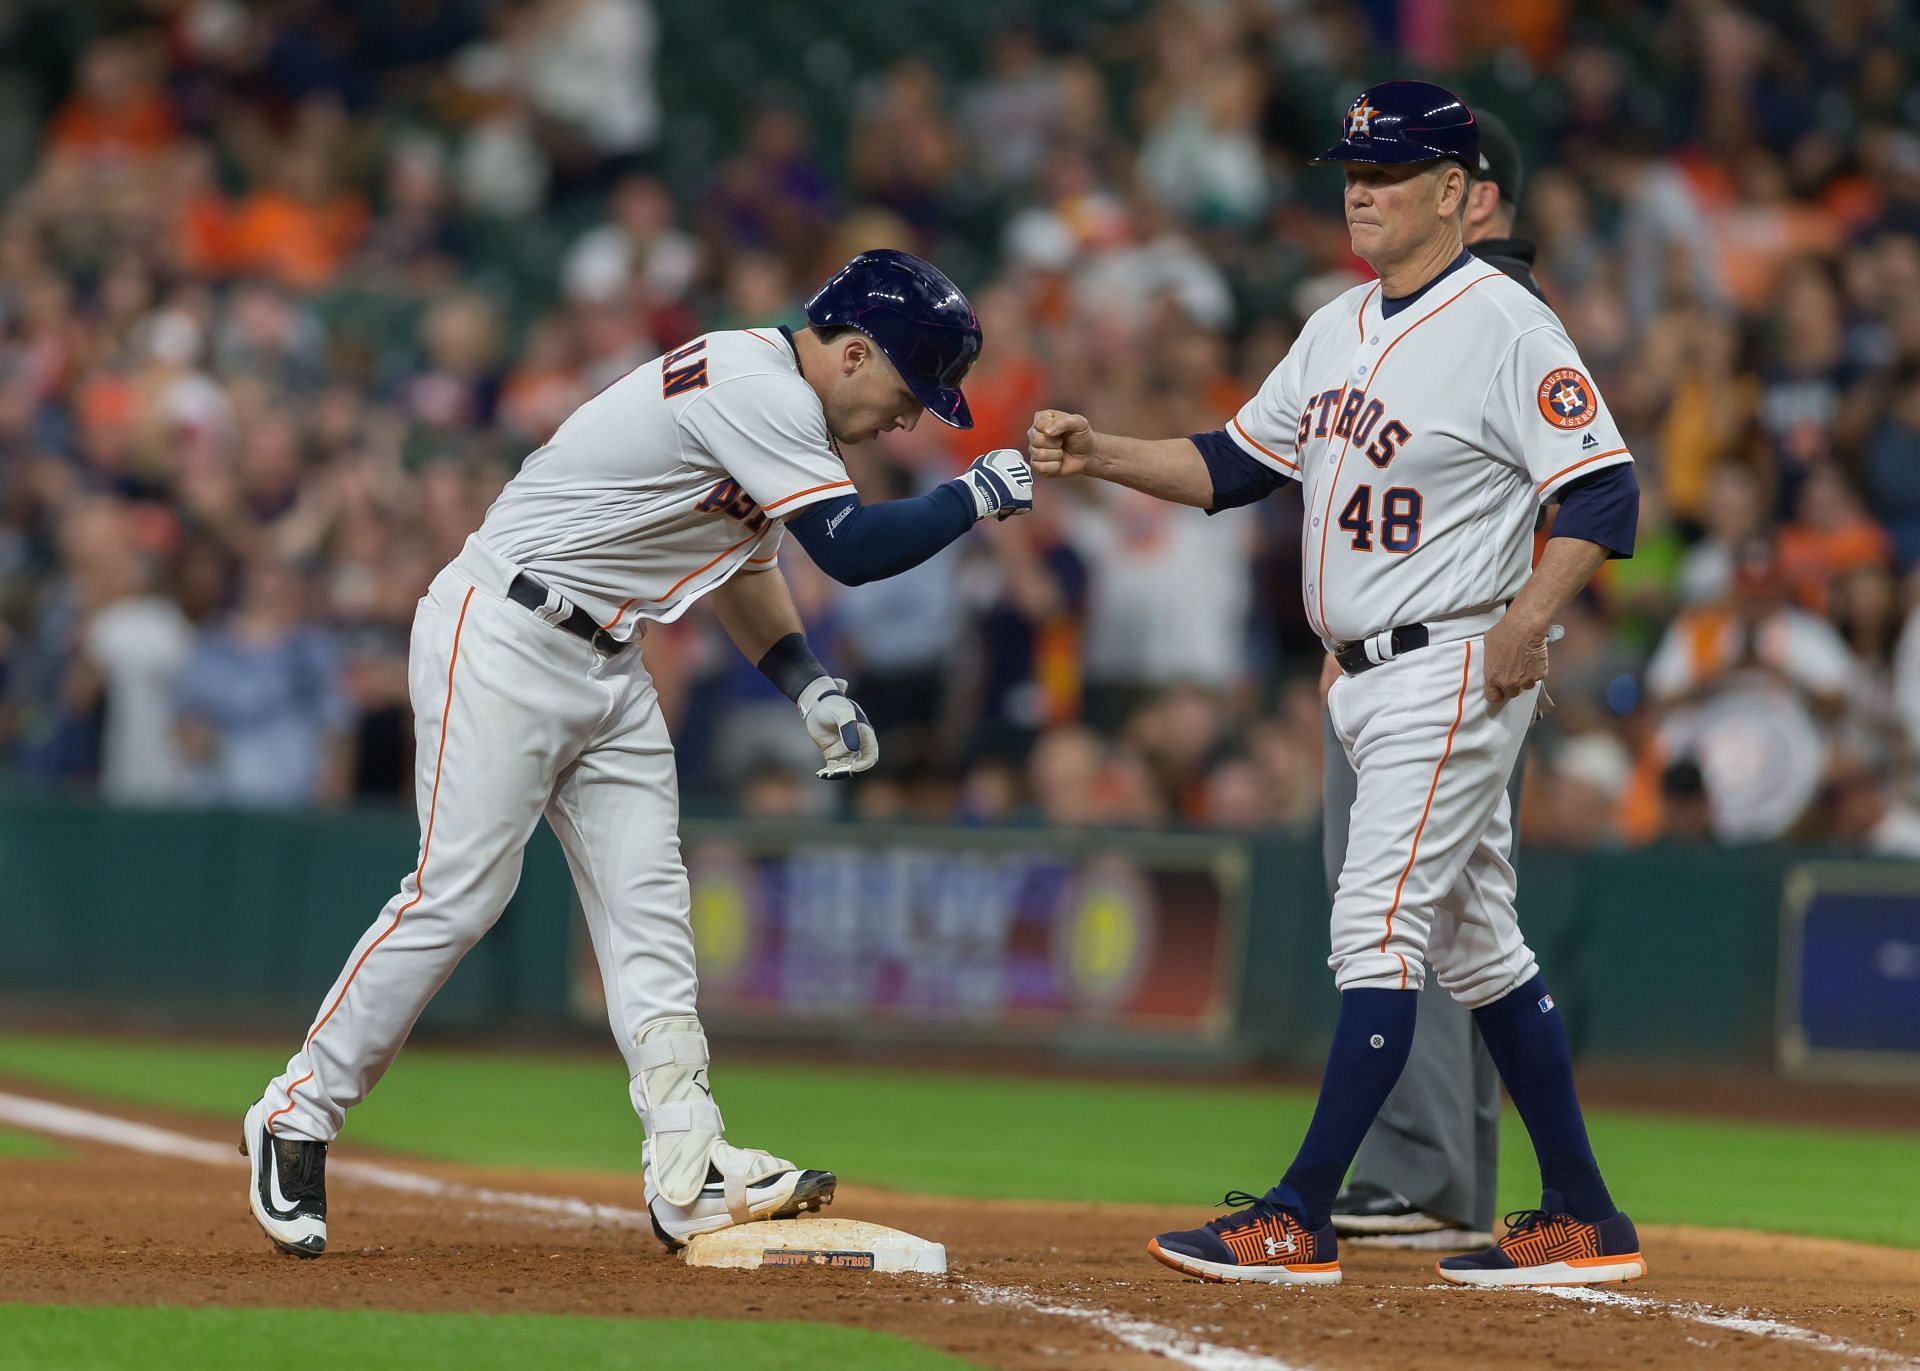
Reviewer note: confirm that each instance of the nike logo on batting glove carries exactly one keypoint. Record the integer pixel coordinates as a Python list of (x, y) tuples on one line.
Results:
[(1001, 484)]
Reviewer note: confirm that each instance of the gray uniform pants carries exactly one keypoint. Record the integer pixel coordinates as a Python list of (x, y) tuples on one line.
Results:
[(1436, 1141)]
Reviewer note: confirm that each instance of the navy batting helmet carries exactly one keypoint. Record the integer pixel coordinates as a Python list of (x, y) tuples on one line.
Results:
[(916, 316), (1407, 121)]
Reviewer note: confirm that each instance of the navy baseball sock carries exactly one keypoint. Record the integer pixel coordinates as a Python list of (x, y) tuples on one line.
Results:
[(1528, 1042), (1370, 1045)]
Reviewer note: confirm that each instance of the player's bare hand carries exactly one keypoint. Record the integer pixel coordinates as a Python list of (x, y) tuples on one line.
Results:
[(1516, 659), (1059, 443), (839, 728)]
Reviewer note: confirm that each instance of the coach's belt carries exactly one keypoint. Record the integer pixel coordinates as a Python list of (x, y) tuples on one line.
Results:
[(549, 604), (1364, 654)]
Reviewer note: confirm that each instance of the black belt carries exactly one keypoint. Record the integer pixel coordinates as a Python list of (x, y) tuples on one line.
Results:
[(530, 592), (1353, 656)]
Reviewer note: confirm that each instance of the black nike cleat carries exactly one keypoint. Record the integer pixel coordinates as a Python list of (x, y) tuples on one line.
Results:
[(287, 1191), (784, 1193)]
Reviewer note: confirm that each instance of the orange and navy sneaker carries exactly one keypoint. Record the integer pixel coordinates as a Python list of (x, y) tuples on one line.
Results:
[(1262, 1242), (1548, 1246)]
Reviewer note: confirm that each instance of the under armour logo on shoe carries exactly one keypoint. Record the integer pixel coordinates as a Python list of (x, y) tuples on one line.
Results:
[(1275, 1246)]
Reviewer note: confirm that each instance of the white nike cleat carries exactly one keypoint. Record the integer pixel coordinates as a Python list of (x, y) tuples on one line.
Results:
[(743, 1186), (287, 1187)]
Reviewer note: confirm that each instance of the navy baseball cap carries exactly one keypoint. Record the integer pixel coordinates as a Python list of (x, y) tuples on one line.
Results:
[(1499, 157), (916, 316), (1398, 122)]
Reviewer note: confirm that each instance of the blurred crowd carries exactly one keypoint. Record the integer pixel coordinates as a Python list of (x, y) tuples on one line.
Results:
[(288, 288)]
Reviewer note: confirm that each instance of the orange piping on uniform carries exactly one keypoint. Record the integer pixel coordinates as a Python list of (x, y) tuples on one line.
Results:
[(810, 490), (1290, 466), (1586, 461), (419, 872), (289, 1104), (763, 338), (624, 607), (697, 570), (1460, 712)]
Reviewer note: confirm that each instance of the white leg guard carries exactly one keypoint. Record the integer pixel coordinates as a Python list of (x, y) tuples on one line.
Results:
[(740, 1167), (676, 1107), (698, 1182)]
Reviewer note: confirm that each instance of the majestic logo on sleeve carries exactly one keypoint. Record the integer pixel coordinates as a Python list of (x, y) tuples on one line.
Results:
[(1566, 399)]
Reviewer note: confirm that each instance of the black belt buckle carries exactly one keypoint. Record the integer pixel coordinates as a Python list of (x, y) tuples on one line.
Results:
[(1353, 658), (532, 593)]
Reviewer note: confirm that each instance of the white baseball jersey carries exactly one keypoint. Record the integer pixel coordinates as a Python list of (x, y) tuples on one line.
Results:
[(652, 493), (1425, 443), (671, 479)]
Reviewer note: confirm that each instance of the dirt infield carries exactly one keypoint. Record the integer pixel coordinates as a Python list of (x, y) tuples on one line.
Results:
[(1031, 1285)]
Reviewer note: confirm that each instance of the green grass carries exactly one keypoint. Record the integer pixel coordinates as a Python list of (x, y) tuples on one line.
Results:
[(77, 1338), (14, 1144), (1010, 1137)]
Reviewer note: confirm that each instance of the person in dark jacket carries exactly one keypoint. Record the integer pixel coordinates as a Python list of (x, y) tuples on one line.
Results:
[(1493, 202)]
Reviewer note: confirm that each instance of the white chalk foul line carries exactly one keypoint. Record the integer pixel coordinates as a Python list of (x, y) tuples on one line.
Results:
[(1139, 1334), (1142, 1335), (1740, 1322), (44, 1116), (66, 1121)]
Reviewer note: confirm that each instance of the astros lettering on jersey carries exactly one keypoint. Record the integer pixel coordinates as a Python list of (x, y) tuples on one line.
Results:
[(630, 511), (1417, 440)]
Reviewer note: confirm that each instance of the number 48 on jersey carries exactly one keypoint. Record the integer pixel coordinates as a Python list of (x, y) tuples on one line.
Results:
[(1399, 529)]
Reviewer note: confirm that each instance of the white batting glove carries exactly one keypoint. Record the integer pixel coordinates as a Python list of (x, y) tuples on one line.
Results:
[(839, 728), (1001, 482)]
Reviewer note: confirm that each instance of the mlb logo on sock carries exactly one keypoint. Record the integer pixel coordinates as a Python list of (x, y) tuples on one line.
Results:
[(1546, 1003)]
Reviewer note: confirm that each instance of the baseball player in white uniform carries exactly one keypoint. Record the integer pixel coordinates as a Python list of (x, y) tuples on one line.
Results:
[(1426, 415), (674, 483)]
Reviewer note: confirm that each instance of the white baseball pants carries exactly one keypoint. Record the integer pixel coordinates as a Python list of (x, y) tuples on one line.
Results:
[(1426, 873), (514, 718)]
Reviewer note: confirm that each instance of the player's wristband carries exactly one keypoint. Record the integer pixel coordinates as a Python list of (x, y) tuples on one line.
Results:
[(791, 665)]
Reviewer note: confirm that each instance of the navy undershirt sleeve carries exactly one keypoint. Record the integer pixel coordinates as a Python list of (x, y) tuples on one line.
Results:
[(856, 543), (1237, 478), (1603, 508)]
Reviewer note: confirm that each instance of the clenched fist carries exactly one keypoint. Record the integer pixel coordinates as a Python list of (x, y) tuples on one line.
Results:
[(839, 728), (1001, 484), (1059, 444)]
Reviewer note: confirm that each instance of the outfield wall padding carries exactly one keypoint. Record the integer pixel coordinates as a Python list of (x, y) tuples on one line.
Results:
[(241, 919)]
